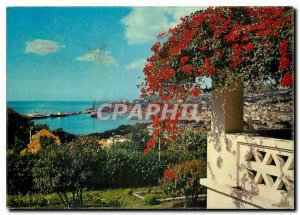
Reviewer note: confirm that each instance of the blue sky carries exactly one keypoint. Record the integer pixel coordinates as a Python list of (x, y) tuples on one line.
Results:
[(64, 54)]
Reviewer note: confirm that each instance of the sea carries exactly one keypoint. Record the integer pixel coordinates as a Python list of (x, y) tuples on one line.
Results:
[(75, 124)]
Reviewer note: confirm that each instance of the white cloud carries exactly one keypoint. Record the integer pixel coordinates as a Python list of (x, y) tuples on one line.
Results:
[(99, 56), (42, 47), (138, 64), (143, 24)]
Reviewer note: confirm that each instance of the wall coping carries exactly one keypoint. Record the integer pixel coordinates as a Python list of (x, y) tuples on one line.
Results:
[(255, 140), (251, 199)]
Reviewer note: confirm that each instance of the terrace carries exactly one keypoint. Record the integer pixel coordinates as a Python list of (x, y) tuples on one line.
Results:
[(246, 170)]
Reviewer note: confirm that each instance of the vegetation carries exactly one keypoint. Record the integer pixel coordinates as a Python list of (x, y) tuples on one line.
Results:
[(184, 179), (150, 200), (65, 137), (252, 45), (60, 175), (108, 198), (18, 129), (128, 191), (19, 174), (65, 168)]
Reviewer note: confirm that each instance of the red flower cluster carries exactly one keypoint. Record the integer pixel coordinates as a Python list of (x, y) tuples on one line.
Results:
[(195, 92), (150, 144), (166, 97), (155, 47), (216, 38), (187, 69), (249, 46), (287, 80), (207, 67), (236, 55), (166, 73), (170, 175), (156, 132), (235, 32), (284, 62), (184, 60)]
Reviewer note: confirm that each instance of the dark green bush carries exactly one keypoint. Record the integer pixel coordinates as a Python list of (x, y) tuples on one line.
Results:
[(124, 168), (124, 165), (19, 175)]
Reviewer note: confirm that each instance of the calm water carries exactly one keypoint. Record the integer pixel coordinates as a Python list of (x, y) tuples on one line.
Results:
[(76, 124)]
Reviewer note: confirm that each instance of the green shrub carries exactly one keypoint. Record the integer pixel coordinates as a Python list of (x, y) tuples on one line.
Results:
[(88, 197), (13, 201), (188, 146), (95, 193), (26, 201), (53, 199), (184, 179), (92, 198), (124, 168), (128, 191), (150, 200)]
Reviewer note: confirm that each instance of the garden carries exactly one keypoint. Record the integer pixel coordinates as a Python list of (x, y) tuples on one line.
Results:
[(80, 173)]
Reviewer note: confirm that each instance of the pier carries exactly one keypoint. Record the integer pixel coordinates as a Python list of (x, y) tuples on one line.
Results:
[(54, 115)]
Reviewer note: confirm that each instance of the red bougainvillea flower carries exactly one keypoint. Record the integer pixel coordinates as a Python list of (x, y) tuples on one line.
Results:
[(170, 175), (219, 42), (166, 97), (284, 62), (283, 45), (249, 46), (155, 47), (184, 60), (287, 80), (156, 132), (187, 69), (195, 92), (166, 73), (150, 144)]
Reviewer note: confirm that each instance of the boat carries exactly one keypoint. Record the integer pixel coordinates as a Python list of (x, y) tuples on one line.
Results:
[(37, 115), (93, 114), (58, 114)]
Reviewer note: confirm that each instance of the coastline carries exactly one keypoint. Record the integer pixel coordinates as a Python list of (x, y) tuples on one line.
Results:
[(79, 124)]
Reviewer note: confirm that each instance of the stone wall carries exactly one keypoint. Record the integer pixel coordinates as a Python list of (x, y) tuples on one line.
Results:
[(250, 172)]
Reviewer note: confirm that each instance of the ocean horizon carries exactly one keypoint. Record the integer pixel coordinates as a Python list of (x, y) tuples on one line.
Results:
[(81, 124)]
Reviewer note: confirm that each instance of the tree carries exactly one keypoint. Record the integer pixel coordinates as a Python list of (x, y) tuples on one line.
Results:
[(64, 136), (139, 139), (226, 44), (19, 175), (38, 127), (66, 169), (18, 127), (190, 141)]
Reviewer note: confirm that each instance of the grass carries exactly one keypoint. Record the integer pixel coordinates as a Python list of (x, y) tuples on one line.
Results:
[(132, 202), (99, 199)]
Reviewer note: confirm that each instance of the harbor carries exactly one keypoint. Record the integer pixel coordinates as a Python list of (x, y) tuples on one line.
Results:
[(91, 111), (53, 115)]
